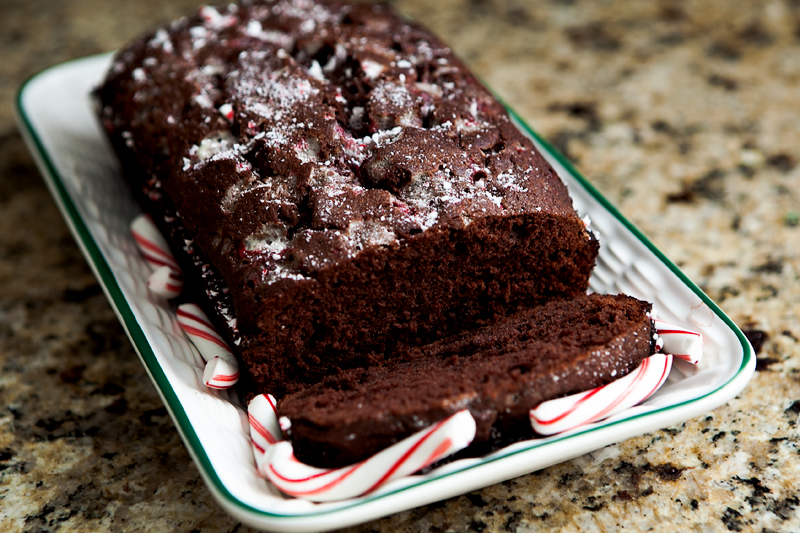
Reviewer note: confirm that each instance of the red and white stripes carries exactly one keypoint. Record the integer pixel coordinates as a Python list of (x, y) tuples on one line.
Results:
[(275, 458), (264, 428), (681, 343), (226, 110), (222, 370), (563, 414), (166, 279)]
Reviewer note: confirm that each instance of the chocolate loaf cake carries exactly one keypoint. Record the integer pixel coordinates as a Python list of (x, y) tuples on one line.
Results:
[(355, 191), (498, 372)]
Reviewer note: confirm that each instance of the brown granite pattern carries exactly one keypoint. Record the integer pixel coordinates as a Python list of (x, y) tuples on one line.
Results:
[(684, 113)]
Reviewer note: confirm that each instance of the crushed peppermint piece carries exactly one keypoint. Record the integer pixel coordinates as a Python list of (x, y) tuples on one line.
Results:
[(212, 145), (226, 110), (213, 20), (315, 71), (161, 40), (372, 69)]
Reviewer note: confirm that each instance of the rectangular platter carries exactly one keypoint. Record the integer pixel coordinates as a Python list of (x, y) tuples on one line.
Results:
[(56, 118)]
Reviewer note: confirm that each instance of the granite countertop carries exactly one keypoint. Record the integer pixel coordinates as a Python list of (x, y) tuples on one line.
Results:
[(685, 114)]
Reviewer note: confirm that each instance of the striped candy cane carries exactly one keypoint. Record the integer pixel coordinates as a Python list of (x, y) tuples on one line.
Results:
[(165, 282), (264, 428), (222, 370), (681, 343), (276, 460), (563, 414), (166, 279)]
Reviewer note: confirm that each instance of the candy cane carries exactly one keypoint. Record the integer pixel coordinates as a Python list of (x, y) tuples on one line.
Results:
[(563, 414), (278, 463), (264, 428), (165, 282), (681, 343), (166, 279), (222, 370)]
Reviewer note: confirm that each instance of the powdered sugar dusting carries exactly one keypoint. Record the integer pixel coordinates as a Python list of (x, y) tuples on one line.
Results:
[(301, 119), (368, 234), (210, 146)]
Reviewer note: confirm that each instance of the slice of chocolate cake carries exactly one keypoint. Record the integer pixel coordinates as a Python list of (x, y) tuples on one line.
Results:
[(498, 372), (356, 189)]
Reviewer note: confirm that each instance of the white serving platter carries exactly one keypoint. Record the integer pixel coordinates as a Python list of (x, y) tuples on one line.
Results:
[(56, 117)]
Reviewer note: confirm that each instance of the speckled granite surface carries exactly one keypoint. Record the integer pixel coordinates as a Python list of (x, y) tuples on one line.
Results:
[(685, 114)]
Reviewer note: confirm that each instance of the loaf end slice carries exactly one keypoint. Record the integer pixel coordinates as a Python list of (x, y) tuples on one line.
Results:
[(498, 372)]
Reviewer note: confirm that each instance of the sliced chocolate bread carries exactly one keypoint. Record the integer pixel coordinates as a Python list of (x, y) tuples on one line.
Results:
[(498, 372)]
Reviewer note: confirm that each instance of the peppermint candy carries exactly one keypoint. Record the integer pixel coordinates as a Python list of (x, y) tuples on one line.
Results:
[(165, 282), (222, 369), (264, 427), (681, 343), (563, 414), (275, 458), (166, 279), (226, 110)]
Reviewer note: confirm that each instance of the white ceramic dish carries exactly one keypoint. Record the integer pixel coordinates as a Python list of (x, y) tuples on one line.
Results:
[(56, 118)]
